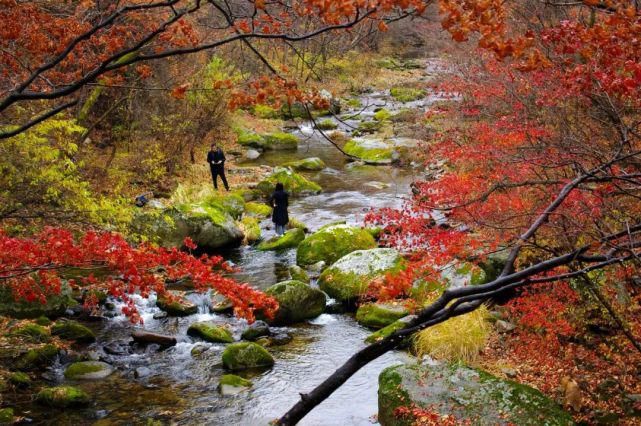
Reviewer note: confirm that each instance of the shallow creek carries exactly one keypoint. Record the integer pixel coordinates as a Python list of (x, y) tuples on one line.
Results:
[(181, 389)]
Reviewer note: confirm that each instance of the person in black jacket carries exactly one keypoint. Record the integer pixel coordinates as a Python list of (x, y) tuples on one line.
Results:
[(216, 160), (279, 202)]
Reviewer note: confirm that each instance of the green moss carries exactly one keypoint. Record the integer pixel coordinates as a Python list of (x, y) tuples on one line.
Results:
[(251, 229), (312, 164), (331, 243), (365, 127), (326, 124), (31, 332), (266, 112), (294, 183), (292, 238), (251, 140), (258, 209), (406, 94), (280, 141), (354, 103), (390, 397), (379, 315), (210, 332), (179, 307), (20, 379), (382, 115), (6, 415), (388, 330), (295, 223), (37, 357), (297, 301), (295, 110), (240, 356), (370, 151), (63, 397), (85, 370), (43, 320), (235, 381), (297, 273), (73, 330), (233, 204)]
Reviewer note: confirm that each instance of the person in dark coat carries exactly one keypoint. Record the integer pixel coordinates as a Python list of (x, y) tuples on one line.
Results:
[(279, 202), (216, 160)]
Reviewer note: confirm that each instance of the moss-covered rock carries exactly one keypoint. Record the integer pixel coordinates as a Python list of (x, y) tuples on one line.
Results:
[(6, 416), (388, 330), (379, 315), (293, 182), (210, 332), (326, 124), (258, 210), (465, 393), (37, 358), (330, 243), (371, 151), (295, 110), (63, 397), (233, 204), (220, 304), (297, 301), (280, 141), (240, 356), (297, 273), (250, 139), (73, 330), (368, 127), (295, 223), (20, 379), (251, 229), (176, 305), (407, 94), (311, 164), (32, 333), (256, 330), (462, 275), (290, 239), (348, 278), (265, 112), (230, 384), (88, 370), (382, 115), (56, 304)]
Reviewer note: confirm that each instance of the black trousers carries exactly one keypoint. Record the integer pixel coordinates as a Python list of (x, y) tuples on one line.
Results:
[(215, 172)]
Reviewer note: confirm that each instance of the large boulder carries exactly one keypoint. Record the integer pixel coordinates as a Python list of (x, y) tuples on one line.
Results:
[(294, 183), (88, 370), (63, 397), (379, 315), (312, 164), (73, 330), (244, 355), (348, 278), (55, 306), (465, 393), (297, 301), (290, 239), (210, 332), (330, 243), (370, 151)]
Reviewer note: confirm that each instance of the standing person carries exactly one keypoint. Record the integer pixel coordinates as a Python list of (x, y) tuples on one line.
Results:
[(279, 202), (216, 160)]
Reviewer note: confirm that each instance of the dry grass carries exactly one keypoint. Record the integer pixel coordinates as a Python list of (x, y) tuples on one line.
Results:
[(457, 339)]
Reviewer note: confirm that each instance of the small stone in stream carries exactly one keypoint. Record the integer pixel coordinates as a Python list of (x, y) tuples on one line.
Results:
[(198, 350), (230, 384), (243, 355), (256, 330), (145, 338), (63, 397), (281, 339), (141, 372), (117, 348), (252, 154), (210, 332), (220, 304), (264, 342), (504, 326), (88, 370), (160, 315)]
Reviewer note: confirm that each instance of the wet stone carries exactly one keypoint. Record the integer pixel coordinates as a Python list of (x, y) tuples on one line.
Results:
[(256, 330)]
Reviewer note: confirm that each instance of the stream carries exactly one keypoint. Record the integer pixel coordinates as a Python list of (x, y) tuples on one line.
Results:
[(174, 386)]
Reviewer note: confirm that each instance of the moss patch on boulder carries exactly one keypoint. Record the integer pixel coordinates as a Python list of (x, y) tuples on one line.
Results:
[(88, 370), (176, 305), (311, 164), (63, 397), (388, 330), (265, 112), (465, 393), (371, 151), (251, 229), (252, 140), (293, 182), (382, 115), (20, 379), (326, 124), (31, 332), (244, 355), (297, 301), (348, 278), (407, 94), (379, 315), (37, 358), (258, 210), (73, 330), (210, 332), (297, 273), (230, 384), (290, 239), (330, 243), (280, 141)]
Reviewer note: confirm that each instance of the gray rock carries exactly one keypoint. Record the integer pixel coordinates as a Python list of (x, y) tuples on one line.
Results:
[(141, 372), (504, 326), (252, 154), (256, 330)]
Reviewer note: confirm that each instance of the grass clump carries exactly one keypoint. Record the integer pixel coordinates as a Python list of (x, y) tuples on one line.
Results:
[(407, 94), (457, 339)]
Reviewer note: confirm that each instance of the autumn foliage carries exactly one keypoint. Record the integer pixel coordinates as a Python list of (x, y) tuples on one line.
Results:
[(34, 268)]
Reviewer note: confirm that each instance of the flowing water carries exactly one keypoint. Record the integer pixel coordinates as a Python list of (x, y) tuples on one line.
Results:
[(176, 387)]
